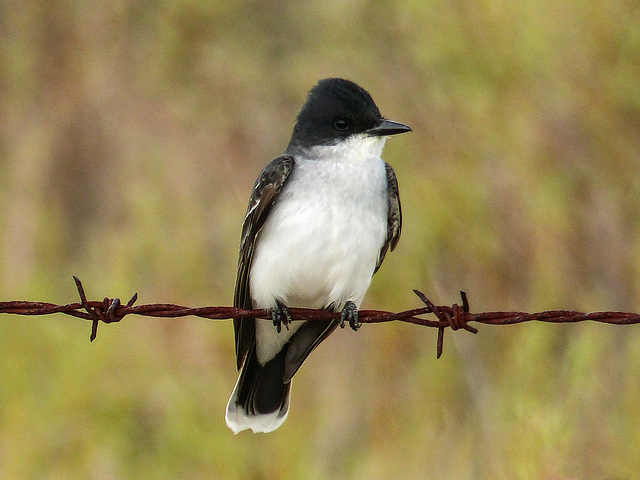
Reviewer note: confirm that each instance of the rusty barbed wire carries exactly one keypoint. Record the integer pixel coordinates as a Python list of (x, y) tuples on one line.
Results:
[(457, 316)]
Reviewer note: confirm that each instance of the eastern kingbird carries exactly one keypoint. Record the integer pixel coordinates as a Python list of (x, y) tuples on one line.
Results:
[(320, 220)]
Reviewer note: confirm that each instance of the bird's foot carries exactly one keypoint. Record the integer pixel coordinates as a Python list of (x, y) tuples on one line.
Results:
[(350, 313), (280, 315)]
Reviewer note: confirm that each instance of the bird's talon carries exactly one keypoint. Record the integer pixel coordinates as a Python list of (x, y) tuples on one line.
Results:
[(350, 313), (280, 315)]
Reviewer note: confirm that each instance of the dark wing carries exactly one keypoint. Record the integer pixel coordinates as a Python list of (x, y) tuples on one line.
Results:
[(265, 191), (394, 218)]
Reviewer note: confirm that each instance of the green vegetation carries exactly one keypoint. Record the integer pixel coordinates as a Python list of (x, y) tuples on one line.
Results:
[(130, 136)]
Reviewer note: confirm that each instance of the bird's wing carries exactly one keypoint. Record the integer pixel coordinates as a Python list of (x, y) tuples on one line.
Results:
[(265, 191), (394, 217)]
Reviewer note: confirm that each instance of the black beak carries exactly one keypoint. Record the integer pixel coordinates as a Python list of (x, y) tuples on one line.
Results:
[(388, 127)]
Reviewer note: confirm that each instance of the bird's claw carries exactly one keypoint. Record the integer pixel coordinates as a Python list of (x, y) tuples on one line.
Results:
[(350, 314), (280, 315)]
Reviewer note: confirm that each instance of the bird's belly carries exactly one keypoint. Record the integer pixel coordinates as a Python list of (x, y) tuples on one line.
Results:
[(319, 250), (319, 245), (314, 265)]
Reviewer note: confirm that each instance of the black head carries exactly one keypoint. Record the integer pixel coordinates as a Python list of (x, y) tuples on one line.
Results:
[(334, 110)]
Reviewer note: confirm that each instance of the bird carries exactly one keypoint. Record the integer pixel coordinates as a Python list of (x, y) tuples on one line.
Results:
[(320, 220)]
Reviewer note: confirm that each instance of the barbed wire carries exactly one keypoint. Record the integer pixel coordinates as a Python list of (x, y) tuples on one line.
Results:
[(457, 316)]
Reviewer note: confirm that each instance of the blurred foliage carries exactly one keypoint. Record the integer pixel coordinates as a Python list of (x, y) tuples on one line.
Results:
[(130, 135)]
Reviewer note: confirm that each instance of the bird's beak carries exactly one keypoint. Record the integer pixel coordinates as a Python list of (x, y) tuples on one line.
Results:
[(388, 127)]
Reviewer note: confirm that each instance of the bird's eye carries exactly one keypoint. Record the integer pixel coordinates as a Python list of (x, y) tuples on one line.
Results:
[(341, 124)]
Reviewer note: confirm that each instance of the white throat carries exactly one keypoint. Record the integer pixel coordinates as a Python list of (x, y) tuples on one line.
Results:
[(354, 149)]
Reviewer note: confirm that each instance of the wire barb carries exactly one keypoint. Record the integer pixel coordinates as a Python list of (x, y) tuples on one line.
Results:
[(105, 313), (456, 317)]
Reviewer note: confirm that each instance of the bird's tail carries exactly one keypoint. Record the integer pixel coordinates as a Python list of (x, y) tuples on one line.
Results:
[(260, 399)]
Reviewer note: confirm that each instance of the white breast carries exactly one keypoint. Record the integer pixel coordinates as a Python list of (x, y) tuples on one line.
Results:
[(320, 244)]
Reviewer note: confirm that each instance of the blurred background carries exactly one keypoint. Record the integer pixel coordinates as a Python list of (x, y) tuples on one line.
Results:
[(131, 133)]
